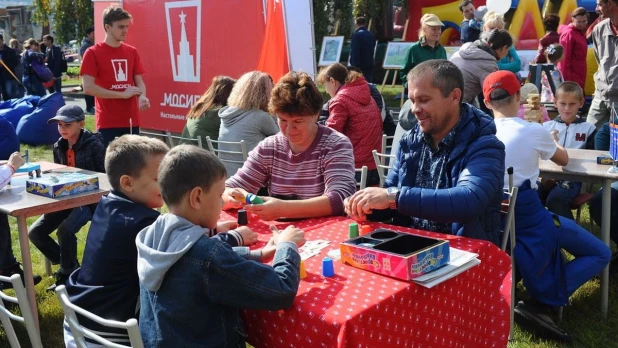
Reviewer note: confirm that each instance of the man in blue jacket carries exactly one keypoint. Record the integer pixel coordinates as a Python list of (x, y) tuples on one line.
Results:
[(470, 28), (363, 48), (449, 170)]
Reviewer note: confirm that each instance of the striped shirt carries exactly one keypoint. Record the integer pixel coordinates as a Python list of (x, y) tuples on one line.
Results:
[(326, 168)]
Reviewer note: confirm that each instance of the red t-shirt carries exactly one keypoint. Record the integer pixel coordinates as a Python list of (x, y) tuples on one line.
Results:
[(114, 68)]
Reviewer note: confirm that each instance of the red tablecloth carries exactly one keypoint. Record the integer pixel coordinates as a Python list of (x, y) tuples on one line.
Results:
[(357, 308)]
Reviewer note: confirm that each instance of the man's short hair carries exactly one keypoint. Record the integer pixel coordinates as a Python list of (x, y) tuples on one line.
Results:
[(114, 14), (49, 37), (89, 30), (361, 21), (463, 4), (128, 155), (186, 167), (446, 76), (580, 11), (570, 87)]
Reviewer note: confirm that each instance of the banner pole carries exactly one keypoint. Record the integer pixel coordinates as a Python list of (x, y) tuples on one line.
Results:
[(287, 38)]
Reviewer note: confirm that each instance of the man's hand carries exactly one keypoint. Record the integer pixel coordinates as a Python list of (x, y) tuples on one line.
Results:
[(248, 236), (16, 160), (144, 103), (270, 210), (228, 198), (292, 234), (364, 202), (131, 92)]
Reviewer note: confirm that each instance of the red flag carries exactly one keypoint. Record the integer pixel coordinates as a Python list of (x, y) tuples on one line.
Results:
[(274, 54)]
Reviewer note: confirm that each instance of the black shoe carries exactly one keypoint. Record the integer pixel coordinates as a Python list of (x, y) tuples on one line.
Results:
[(60, 279), (90, 111), (539, 318), (16, 269)]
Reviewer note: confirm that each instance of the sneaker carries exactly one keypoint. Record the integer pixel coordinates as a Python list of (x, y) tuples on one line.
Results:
[(90, 111), (16, 269), (539, 318), (60, 279)]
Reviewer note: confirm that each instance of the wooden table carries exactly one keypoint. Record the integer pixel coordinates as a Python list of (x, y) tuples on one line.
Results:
[(15, 201), (583, 167)]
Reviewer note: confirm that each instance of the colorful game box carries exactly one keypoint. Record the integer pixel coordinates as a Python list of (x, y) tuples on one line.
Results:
[(395, 254), (62, 184)]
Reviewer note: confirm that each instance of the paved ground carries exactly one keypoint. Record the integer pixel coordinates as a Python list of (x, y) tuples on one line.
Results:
[(73, 98)]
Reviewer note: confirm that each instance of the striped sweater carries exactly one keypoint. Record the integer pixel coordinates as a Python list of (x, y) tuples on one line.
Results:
[(326, 168)]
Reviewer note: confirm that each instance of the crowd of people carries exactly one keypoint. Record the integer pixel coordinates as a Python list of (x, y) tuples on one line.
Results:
[(448, 174)]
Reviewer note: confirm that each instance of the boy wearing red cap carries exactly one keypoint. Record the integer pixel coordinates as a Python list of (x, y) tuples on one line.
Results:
[(548, 278)]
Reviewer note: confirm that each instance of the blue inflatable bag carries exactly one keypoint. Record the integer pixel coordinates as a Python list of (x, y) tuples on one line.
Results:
[(33, 128), (15, 113), (8, 139)]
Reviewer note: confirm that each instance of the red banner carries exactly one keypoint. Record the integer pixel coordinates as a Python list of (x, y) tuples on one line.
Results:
[(184, 44), (274, 55)]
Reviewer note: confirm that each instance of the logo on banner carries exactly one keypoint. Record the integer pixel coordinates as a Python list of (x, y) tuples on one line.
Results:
[(185, 66), (120, 69)]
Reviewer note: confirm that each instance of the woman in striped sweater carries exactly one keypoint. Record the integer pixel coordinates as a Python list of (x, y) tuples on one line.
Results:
[(307, 168)]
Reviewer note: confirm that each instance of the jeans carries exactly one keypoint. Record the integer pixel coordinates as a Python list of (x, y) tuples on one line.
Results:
[(109, 134), (599, 112), (9, 89), (33, 86), (6, 251), (596, 211), (89, 101), (57, 86), (558, 199), (68, 223)]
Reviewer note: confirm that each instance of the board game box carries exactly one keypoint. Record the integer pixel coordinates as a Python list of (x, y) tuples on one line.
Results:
[(395, 254), (62, 184)]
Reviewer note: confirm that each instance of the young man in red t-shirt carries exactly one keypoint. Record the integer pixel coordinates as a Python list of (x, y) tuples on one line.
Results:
[(112, 72)]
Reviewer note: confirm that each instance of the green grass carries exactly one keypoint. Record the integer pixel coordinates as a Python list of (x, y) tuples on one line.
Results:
[(582, 318), (67, 81)]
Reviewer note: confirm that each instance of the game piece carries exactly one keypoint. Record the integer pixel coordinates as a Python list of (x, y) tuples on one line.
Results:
[(365, 229), (533, 112), (353, 230), (242, 218), (250, 198), (328, 269), (303, 271)]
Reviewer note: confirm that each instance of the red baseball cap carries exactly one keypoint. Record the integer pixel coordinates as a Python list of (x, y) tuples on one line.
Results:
[(501, 79)]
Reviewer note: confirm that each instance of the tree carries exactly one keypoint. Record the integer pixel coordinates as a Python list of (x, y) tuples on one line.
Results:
[(71, 18), (42, 10)]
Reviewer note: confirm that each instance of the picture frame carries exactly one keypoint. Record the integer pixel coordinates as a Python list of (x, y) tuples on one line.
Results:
[(395, 55), (331, 50)]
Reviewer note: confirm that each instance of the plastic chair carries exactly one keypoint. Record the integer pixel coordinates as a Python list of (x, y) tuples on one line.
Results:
[(386, 148), (380, 160), (509, 233), (241, 145), (170, 139), (79, 332), (27, 318), (363, 179)]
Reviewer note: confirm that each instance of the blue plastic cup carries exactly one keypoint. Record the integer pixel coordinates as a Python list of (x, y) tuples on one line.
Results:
[(328, 269)]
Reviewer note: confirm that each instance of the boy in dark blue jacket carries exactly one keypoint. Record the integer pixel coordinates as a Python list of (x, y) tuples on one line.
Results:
[(78, 148)]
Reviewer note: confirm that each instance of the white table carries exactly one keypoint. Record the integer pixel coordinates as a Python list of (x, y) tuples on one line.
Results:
[(583, 167), (15, 201)]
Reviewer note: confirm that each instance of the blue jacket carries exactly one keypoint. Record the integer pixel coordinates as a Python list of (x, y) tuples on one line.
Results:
[(107, 283), (475, 170), (362, 50), (468, 33)]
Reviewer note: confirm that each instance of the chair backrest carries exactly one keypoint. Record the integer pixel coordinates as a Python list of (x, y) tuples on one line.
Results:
[(160, 136), (242, 149), (509, 233), (79, 332), (382, 165), (27, 318), (170, 140), (386, 146), (363, 179)]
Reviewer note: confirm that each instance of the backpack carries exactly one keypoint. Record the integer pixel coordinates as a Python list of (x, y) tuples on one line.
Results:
[(41, 71)]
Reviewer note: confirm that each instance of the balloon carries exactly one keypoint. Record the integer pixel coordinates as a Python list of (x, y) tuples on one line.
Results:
[(499, 6)]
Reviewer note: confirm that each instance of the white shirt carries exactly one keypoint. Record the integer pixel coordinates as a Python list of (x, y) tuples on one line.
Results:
[(524, 144)]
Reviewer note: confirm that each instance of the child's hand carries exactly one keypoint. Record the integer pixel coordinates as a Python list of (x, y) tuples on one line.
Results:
[(554, 134), (268, 251), (228, 198), (16, 160), (225, 226), (292, 234), (270, 210), (249, 237)]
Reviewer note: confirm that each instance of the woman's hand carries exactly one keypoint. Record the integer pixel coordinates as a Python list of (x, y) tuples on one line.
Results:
[(228, 198), (270, 210)]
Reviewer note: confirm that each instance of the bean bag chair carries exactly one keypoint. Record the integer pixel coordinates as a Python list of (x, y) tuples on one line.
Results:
[(9, 104), (15, 113), (8, 139), (33, 128)]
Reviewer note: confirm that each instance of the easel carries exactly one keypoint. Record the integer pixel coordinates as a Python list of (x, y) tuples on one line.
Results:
[(535, 75), (336, 27), (405, 31)]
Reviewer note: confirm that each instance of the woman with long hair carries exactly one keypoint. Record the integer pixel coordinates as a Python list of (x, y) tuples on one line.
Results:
[(203, 118), (246, 116)]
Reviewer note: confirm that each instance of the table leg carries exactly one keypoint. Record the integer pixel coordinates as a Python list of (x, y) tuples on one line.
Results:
[(605, 223), (24, 245)]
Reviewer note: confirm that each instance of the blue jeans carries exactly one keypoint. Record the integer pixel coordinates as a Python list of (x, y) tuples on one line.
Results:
[(33, 86), (109, 134), (57, 87), (558, 199), (596, 211), (68, 223), (6, 252)]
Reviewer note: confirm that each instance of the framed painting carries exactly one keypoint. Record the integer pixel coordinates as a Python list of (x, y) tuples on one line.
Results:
[(331, 50), (396, 54)]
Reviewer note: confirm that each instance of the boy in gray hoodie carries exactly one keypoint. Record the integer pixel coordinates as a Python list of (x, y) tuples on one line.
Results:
[(192, 286)]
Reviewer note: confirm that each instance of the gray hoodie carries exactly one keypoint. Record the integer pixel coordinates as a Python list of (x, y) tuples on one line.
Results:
[(252, 126), (475, 63), (161, 245)]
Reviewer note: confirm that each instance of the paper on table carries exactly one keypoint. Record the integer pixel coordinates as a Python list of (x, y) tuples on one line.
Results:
[(455, 271), (312, 248), (460, 261)]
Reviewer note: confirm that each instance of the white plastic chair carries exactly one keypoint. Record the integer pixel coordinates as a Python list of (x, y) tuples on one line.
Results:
[(386, 149), (27, 318), (363, 179), (381, 166), (79, 332), (509, 233), (242, 150)]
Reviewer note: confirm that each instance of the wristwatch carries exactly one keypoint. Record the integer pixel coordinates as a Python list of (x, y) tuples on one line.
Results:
[(392, 193)]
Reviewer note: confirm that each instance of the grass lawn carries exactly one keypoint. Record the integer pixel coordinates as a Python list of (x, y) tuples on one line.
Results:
[(582, 318)]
